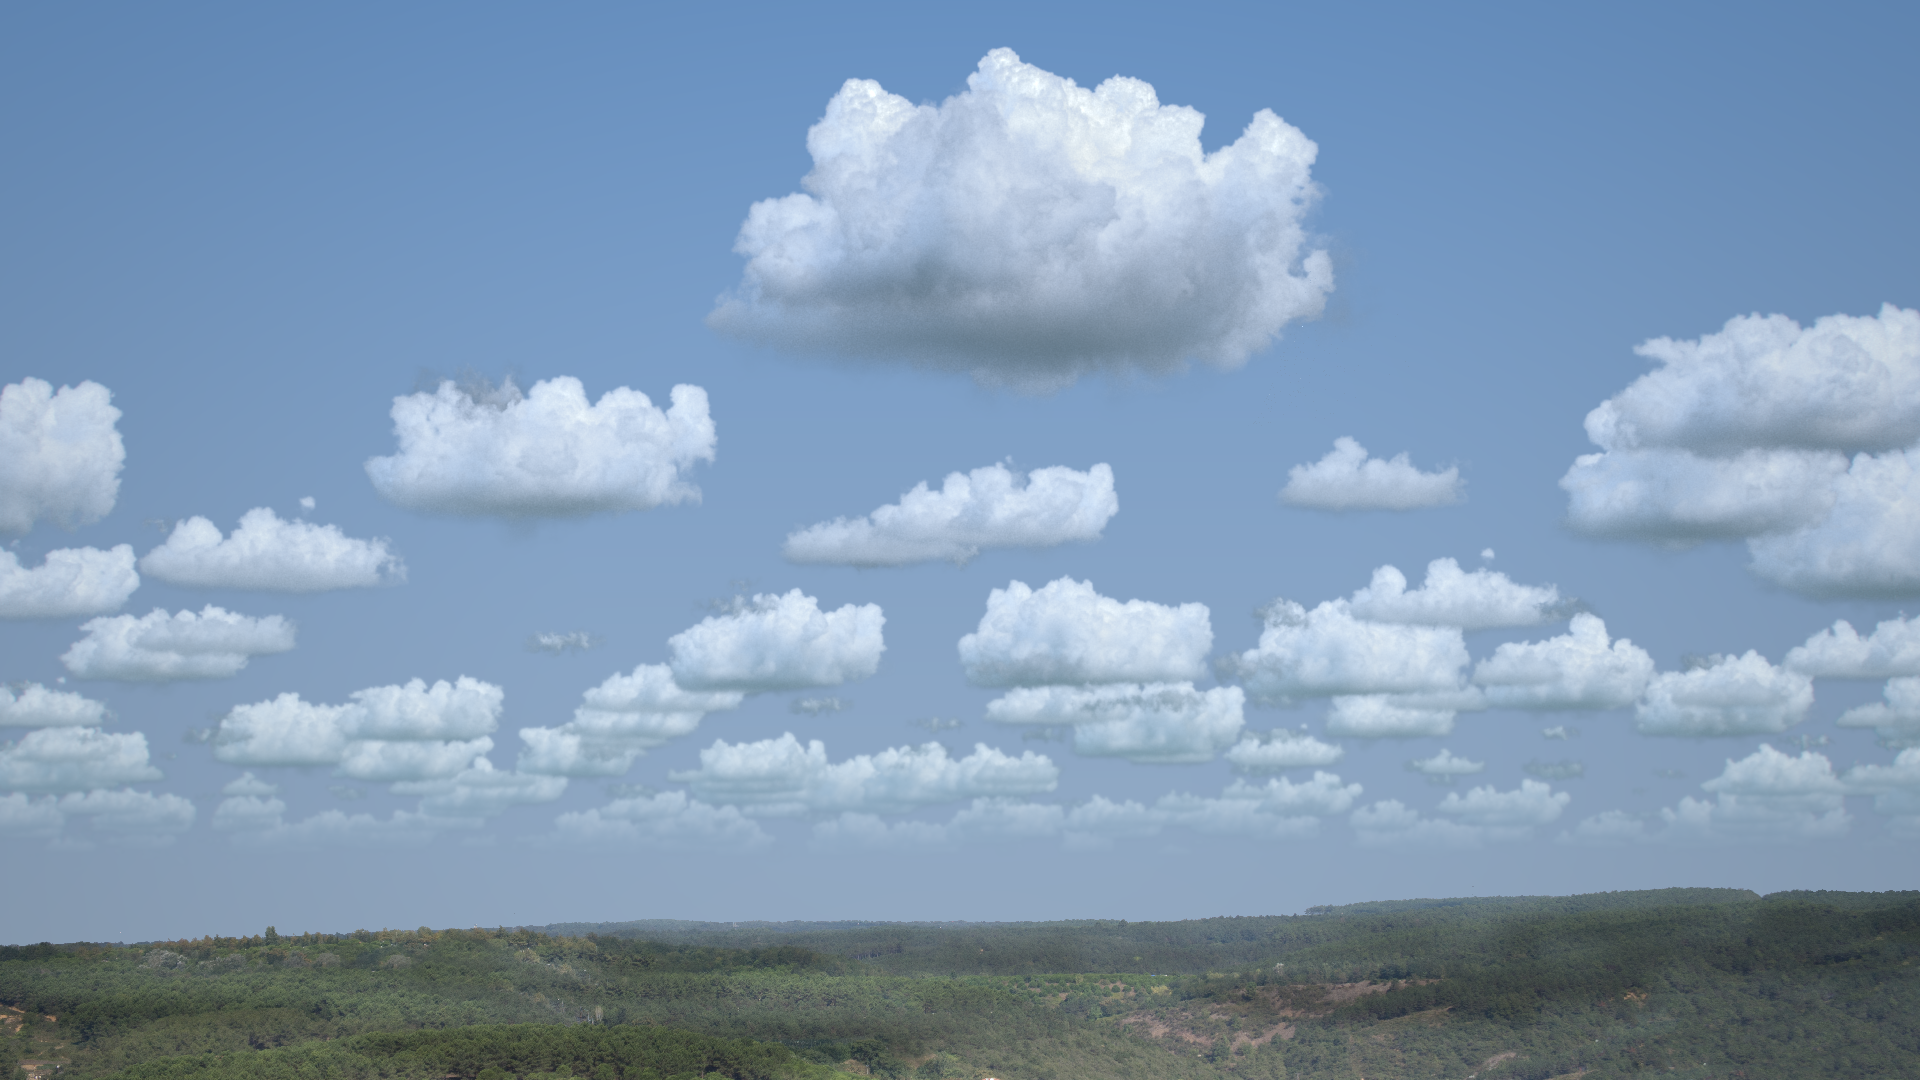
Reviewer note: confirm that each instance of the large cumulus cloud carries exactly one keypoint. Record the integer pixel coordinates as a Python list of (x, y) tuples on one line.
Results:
[(32, 705), (988, 508), (60, 454), (1347, 479), (69, 582), (1328, 651), (779, 642), (213, 643), (545, 453), (265, 552), (1066, 633), (1796, 439), (1030, 230)]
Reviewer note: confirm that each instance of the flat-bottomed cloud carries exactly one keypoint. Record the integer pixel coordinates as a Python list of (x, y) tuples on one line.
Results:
[(68, 583), (1347, 479), (1066, 633), (1580, 669), (779, 642), (548, 453), (265, 552), (991, 507), (1727, 695), (1030, 230), (783, 777), (212, 643)]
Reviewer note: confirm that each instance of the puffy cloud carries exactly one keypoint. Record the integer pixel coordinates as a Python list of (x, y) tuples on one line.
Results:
[(22, 817), (1452, 597), (1839, 652), (1897, 720), (482, 791), (1482, 814), (871, 831), (1766, 796), (35, 706), (1152, 723), (69, 582), (1347, 479), (1675, 496), (814, 706), (1895, 787), (545, 453), (1864, 545), (60, 454), (1445, 765), (619, 720), (258, 823), (248, 813), (1577, 670), (782, 777), (779, 643), (249, 784), (265, 552), (670, 820), (1846, 383), (1066, 633), (1394, 716), (1729, 695), (1563, 769), (988, 508), (75, 759), (384, 733), (1327, 651), (1798, 440), (158, 647), (1280, 750), (1030, 230)]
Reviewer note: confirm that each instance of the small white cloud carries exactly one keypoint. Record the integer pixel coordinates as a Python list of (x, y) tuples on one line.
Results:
[(669, 820), (1390, 716), (1532, 803), (1327, 651), (1839, 652), (68, 583), (384, 733), (249, 813), (779, 643), (75, 759), (782, 777), (1030, 230), (545, 454), (307, 502), (1482, 815), (1281, 750), (250, 785), (158, 647), (1481, 600), (258, 823), (1445, 764), (1487, 554), (1392, 822), (555, 642), (1767, 796), (619, 720), (35, 706), (1066, 633), (1347, 479), (1897, 720), (1895, 787), (60, 454), (1156, 723), (265, 552), (1577, 670), (1561, 732), (814, 706), (1729, 695), (989, 508), (482, 791)]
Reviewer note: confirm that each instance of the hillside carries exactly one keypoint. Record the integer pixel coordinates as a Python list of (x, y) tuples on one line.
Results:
[(1718, 983)]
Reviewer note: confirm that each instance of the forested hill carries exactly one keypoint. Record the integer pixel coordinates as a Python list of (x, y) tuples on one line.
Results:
[(1688, 983), (1094, 945)]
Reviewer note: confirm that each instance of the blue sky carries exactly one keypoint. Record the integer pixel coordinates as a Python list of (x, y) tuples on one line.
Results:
[(259, 229)]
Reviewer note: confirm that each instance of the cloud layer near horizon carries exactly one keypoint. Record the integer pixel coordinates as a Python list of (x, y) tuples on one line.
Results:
[(1030, 230)]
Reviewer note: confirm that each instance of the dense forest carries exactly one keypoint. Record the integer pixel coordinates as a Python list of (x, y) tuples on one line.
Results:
[(1686, 983)]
